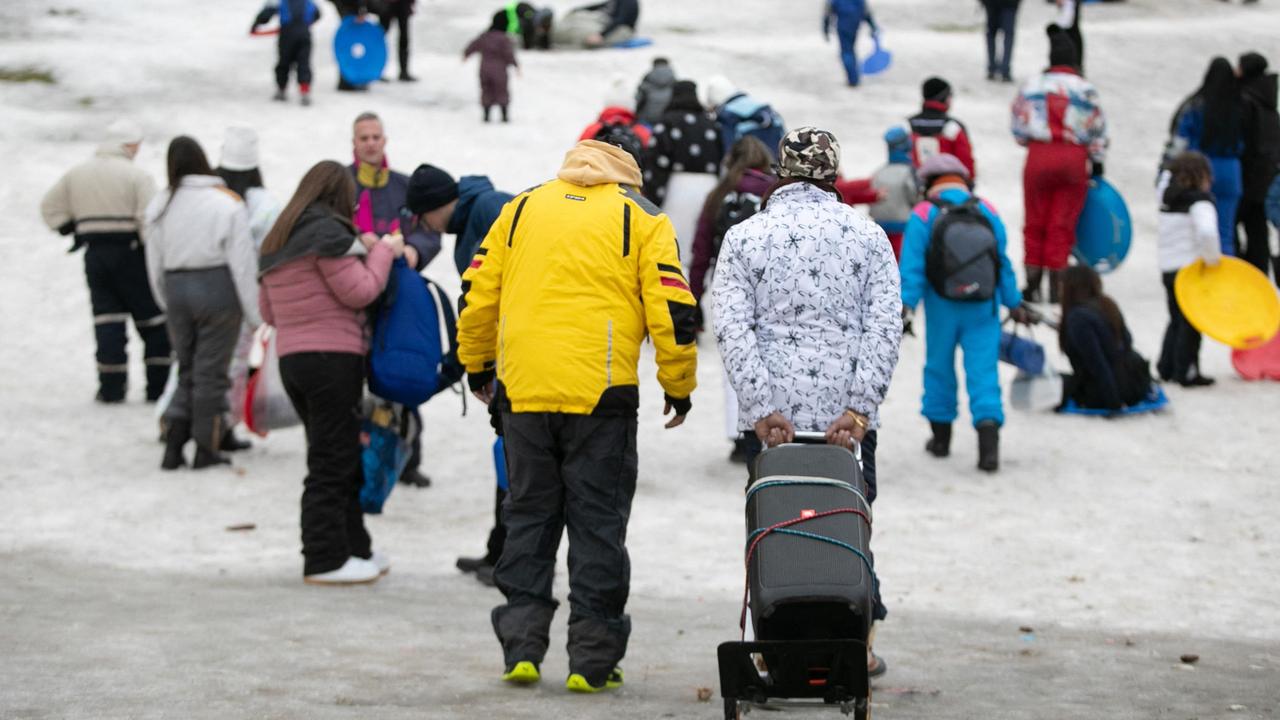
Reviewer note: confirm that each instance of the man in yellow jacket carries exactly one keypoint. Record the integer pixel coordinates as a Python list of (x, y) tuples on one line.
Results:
[(570, 279)]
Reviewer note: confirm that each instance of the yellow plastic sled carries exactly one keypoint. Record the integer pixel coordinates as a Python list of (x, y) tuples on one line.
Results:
[(1232, 303)]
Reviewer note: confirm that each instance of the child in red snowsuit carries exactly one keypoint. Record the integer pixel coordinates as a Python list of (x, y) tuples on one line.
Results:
[(497, 53), (1058, 119)]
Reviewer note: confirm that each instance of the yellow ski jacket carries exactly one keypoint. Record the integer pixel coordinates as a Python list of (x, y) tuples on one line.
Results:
[(571, 277)]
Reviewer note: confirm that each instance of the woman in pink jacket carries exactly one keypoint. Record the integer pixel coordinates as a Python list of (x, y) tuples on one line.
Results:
[(317, 277)]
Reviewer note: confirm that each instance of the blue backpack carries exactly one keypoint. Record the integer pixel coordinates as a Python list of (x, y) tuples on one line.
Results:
[(744, 115), (409, 358)]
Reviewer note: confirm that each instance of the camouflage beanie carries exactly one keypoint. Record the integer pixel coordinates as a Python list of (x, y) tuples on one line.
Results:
[(808, 153)]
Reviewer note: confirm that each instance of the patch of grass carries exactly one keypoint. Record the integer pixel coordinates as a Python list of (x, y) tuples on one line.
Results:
[(26, 74), (954, 28)]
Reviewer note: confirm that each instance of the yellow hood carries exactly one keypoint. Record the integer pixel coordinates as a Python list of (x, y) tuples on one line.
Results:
[(592, 162)]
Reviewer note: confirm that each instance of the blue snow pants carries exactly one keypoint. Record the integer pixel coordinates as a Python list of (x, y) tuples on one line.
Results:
[(847, 30), (1228, 188), (975, 328)]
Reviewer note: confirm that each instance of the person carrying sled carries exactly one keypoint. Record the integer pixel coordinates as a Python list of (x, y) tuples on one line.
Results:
[(1058, 118), (466, 208), (566, 286), (102, 202), (807, 311), (358, 9), (934, 130), (962, 300), (497, 53), (848, 16), (293, 44), (201, 261)]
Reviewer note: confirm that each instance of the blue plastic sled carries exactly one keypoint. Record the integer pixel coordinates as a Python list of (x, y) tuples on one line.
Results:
[(878, 61), (1156, 401), (633, 42), (361, 50), (1104, 232)]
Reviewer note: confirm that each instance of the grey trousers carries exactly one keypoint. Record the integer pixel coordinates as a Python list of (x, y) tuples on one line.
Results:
[(576, 472), (204, 323)]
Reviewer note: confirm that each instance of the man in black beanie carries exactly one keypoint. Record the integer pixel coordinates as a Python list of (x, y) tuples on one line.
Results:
[(466, 209), (1261, 159), (934, 131)]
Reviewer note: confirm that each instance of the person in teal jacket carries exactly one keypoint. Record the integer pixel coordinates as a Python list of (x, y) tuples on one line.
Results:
[(972, 326)]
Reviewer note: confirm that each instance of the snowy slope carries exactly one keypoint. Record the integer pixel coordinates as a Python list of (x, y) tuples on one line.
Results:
[(1159, 524)]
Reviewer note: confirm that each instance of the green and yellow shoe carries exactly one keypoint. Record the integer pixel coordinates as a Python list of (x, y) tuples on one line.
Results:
[(577, 683), (522, 673)]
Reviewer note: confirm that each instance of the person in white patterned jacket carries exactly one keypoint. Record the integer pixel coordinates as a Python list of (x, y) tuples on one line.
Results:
[(808, 311)]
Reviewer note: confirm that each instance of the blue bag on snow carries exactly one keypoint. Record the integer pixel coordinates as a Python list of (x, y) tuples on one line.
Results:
[(408, 359), (1023, 353)]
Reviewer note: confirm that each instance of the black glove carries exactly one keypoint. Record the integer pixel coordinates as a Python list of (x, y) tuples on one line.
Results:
[(262, 18), (1097, 170), (1022, 315), (479, 380), (699, 319), (682, 406), (908, 319), (67, 228)]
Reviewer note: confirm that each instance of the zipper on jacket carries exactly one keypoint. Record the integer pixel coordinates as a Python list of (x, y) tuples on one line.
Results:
[(608, 359), (626, 230)]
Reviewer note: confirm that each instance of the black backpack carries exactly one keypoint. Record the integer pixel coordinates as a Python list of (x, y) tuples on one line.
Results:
[(621, 135), (963, 260), (736, 207)]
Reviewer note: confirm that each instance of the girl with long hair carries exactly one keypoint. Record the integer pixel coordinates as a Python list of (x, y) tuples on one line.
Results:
[(1106, 372), (200, 260), (1214, 125), (317, 279)]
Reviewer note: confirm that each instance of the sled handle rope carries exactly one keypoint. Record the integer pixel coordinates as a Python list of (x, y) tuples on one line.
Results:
[(782, 528), (862, 500)]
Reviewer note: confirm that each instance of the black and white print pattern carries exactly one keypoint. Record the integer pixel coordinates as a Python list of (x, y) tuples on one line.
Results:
[(808, 310), (685, 141)]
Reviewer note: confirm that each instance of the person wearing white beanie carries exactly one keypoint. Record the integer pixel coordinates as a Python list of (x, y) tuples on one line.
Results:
[(102, 201)]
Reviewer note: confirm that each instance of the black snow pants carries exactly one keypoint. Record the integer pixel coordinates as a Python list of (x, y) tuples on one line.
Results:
[(204, 326), (294, 46), (1180, 351), (1251, 216), (326, 389), (398, 11), (576, 472), (116, 268)]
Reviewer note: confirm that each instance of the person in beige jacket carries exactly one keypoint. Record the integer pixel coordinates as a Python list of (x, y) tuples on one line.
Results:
[(101, 202)]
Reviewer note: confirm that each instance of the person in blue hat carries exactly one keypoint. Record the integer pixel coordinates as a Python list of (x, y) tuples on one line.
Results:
[(892, 191), (961, 302)]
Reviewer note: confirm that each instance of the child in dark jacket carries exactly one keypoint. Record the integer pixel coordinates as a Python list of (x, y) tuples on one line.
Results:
[(294, 42), (497, 53), (1106, 372)]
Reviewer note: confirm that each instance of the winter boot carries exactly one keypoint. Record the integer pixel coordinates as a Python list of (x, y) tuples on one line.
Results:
[(505, 117), (231, 443), (279, 96), (988, 446), (1055, 276), (175, 438), (940, 444), (207, 458), (486, 113), (1031, 293)]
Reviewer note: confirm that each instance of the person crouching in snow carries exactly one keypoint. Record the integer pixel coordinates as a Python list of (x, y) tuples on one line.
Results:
[(202, 265), (293, 44), (891, 192), (961, 302), (1058, 118), (807, 312), (1106, 372), (497, 52)]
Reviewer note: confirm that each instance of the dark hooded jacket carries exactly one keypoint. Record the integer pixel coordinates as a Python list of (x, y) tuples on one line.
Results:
[(1106, 374), (478, 206), (1259, 89), (654, 94), (687, 139)]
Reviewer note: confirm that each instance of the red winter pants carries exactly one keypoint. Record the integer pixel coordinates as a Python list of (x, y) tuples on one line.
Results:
[(1054, 185)]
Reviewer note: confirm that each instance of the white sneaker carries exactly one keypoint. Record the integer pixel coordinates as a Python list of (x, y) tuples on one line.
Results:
[(355, 571), (382, 561)]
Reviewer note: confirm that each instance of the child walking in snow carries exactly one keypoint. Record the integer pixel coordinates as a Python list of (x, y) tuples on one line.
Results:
[(294, 44), (1188, 232), (891, 192), (496, 54)]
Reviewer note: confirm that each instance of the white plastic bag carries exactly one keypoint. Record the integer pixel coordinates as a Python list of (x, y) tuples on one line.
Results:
[(1036, 393), (266, 405)]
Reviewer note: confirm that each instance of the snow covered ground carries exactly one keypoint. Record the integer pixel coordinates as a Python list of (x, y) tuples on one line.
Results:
[(123, 595)]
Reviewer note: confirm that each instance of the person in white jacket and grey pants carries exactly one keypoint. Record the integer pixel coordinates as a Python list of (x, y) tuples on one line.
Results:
[(808, 311), (203, 269)]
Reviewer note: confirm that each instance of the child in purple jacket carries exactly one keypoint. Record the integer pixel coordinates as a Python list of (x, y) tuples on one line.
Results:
[(496, 54)]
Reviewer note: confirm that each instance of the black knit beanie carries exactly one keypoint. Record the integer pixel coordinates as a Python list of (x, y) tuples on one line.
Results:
[(936, 89), (429, 188), (1252, 65), (1062, 51)]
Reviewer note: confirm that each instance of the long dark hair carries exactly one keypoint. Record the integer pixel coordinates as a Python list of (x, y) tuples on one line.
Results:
[(185, 157), (1222, 107), (1082, 287), (327, 185), (241, 182), (746, 154)]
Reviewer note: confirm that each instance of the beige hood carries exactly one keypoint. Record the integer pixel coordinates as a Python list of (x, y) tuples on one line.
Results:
[(592, 162)]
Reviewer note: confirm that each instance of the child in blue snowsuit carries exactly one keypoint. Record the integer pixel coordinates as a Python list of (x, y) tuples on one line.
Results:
[(848, 16), (973, 326)]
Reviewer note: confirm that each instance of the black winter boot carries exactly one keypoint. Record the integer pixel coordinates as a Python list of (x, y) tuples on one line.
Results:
[(988, 446), (1054, 277), (1031, 293), (940, 444), (231, 443), (205, 458), (176, 436)]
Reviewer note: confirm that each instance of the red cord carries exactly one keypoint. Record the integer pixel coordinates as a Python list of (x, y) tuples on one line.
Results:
[(746, 591)]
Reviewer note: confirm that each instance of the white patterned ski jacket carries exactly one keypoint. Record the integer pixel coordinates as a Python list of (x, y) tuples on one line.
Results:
[(808, 311)]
